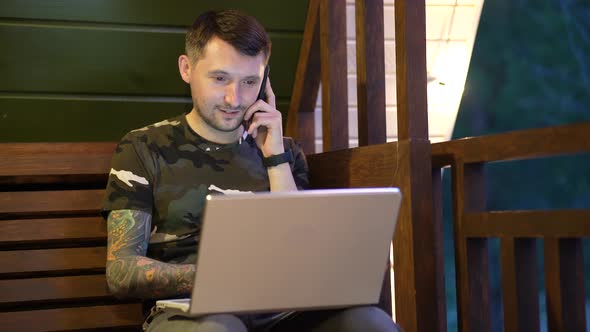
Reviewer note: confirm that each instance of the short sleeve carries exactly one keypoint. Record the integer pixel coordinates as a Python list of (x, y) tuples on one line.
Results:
[(129, 184), (299, 166)]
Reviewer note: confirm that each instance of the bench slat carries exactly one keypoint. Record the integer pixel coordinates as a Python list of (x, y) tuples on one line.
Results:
[(52, 289), (39, 202), (52, 229), (54, 260), (19, 159), (67, 319)]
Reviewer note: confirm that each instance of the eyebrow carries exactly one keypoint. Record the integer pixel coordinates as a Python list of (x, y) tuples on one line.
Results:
[(217, 72), (223, 72)]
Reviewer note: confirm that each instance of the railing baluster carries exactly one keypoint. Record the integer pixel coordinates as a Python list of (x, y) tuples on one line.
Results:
[(564, 279), (520, 285), (471, 255), (300, 120)]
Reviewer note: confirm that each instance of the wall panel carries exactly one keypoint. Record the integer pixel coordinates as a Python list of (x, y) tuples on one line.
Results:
[(92, 70)]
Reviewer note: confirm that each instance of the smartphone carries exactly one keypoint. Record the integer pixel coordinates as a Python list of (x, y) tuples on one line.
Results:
[(261, 93)]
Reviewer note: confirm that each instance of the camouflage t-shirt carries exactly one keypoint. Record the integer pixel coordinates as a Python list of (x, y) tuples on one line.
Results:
[(166, 169)]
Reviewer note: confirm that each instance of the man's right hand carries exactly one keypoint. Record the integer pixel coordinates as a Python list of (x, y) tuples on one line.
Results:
[(129, 272)]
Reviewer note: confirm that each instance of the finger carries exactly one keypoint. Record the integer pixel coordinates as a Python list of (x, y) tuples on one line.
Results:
[(259, 133), (273, 116), (251, 110), (268, 120), (260, 137), (258, 106)]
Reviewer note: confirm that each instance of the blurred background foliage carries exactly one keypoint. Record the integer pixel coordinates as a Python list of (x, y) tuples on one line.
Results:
[(530, 68)]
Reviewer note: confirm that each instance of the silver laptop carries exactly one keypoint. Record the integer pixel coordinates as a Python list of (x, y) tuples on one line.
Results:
[(301, 250)]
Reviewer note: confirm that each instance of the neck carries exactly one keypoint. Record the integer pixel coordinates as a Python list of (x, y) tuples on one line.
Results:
[(200, 127)]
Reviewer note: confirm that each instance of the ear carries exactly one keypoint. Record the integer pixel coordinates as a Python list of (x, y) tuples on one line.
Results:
[(184, 67)]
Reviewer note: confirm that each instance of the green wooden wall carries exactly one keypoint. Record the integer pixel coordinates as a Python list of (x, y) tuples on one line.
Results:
[(92, 70)]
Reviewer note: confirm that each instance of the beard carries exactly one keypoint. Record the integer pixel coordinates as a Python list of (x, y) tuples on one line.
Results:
[(212, 120)]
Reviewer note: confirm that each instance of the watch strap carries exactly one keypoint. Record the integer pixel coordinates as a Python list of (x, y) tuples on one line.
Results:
[(277, 159)]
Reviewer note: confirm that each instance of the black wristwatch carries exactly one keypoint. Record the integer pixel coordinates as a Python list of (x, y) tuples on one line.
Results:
[(277, 159)]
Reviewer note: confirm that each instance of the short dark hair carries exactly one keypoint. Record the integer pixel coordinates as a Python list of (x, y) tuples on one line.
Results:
[(240, 30)]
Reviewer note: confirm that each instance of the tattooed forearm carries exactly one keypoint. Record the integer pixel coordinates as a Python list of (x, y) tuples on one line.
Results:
[(145, 278), (131, 274)]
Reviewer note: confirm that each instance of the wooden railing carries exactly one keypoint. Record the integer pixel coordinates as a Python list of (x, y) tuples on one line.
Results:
[(406, 164), (414, 165), (419, 281), (518, 231)]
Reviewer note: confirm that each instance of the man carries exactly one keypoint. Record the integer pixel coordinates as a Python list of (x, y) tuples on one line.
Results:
[(162, 173)]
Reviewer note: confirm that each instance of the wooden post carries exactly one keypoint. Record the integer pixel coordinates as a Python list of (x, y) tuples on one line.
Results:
[(370, 68), (419, 278), (333, 74), (410, 52)]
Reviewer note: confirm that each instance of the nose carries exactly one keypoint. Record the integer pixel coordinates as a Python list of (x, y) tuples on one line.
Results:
[(232, 95)]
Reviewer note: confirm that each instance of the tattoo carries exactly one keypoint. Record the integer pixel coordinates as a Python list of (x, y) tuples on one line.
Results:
[(131, 274)]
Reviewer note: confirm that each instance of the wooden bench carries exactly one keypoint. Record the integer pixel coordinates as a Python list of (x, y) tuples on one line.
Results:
[(53, 240)]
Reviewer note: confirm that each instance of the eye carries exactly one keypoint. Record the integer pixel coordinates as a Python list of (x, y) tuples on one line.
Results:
[(250, 82), (219, 78)]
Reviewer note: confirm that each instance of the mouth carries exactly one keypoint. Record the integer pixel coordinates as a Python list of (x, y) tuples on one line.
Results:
[(229, 111), (231, 114)]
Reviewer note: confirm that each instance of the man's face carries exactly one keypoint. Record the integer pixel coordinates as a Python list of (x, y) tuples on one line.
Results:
[(224, 83)]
